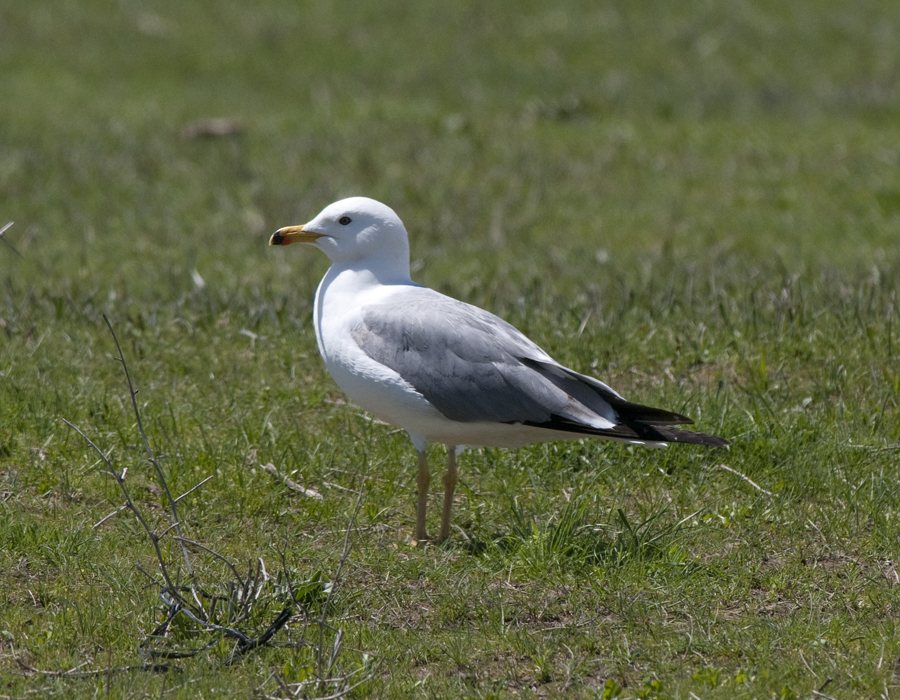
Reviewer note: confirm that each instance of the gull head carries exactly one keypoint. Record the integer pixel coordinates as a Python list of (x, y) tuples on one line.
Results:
[(351, 231)]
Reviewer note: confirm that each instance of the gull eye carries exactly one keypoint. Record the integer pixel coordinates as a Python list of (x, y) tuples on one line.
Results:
[(344, 220)]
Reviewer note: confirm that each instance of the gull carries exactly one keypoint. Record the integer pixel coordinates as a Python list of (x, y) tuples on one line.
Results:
[(446, 371)]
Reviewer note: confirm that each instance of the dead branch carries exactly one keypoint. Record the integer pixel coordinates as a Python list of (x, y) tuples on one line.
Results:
[(75, 673), (745, 478), (294, 486), (125, 507), (154, 538), (189, 601), (107, 517), (251, 644), (6, 240), (147, 448), (218, 556), (194, 488), (334, 582)]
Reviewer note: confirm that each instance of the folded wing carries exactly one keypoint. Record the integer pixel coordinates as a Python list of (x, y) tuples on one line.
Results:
[(473, 366)]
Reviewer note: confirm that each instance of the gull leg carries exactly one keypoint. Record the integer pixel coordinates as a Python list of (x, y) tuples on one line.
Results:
[(449, 487), (423, 480)]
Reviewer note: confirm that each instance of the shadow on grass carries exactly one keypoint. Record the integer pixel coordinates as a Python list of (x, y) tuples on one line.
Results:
[(574, 538)]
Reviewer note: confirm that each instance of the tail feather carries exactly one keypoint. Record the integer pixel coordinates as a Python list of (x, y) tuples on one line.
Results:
[(690, 437), (633, 421), (636, 430)]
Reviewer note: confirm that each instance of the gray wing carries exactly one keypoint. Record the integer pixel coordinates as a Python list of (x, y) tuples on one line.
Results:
[(473, 366)]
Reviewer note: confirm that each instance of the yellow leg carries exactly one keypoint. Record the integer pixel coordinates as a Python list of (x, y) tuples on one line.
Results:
[(449, 487), (423, 480)]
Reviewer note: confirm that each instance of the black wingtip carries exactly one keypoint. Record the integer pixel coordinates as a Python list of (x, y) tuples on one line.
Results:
[(690, 437), (629, 432)]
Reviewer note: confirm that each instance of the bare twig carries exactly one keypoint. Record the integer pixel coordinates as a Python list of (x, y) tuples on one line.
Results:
[(147, 448), (148, 575), (210, 551), (346, 691), (335, 650), (6, 240), (297, 603), (75, 673), (191, 490), (241, 593), (876, 448), (819, 694), (105, 518), (294, 486), (745, 478), (276, 625), (224, 629), (245, 643), (339, 487), (282, 684), (334, 582), (298, 688), (154, 538)]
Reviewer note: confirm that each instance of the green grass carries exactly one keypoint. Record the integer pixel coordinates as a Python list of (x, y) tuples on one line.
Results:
[(696, 202)]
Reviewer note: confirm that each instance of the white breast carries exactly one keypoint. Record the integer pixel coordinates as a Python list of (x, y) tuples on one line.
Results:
[(375, 387)]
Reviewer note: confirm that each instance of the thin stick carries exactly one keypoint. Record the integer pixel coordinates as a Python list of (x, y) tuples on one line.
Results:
[(276, 625), (151, 457), (334, 582), (210, 551), (293, 485), (745, 478), (115, 512), (190, 491), (75, 673), (4, 239), (348, 690), (297, 603), (146, 573), (245, 643), (154, 538), (282, 684), (335, 649)]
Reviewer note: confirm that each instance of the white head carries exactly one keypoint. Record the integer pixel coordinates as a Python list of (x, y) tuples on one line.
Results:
[(357, 232)]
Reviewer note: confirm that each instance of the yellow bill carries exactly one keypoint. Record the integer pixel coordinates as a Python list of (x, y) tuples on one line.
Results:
[(293, 234)]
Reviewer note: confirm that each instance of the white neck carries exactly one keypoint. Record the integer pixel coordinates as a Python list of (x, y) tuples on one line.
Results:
[(386, 269)]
